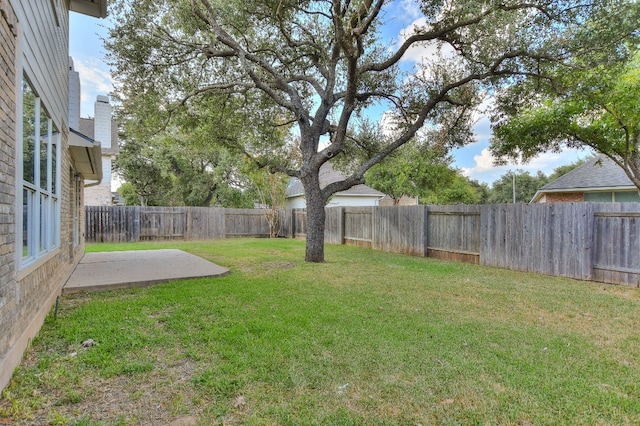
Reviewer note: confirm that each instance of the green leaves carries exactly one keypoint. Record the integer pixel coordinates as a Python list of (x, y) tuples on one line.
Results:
[(598, 108)]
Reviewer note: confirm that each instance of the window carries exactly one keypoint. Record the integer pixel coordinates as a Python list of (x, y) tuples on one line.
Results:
[(626, 196), (598, 197), (40, 173)]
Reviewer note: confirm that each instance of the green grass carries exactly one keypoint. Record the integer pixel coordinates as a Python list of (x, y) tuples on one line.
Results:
[(368, 338)]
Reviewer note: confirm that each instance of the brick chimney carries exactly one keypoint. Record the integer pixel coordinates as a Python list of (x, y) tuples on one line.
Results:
[(102, 122)]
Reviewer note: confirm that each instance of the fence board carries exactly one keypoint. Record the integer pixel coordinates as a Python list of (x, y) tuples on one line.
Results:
[(246, 223), (112, 224), (299, 223), (616, 257), (553, 239), (162, 223), (454, 232), (334, 225), (400, 229), (358, 226), (205, 223)]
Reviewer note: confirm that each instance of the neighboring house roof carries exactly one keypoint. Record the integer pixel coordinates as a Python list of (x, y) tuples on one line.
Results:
[(598, 174), (87, 128), (329, 175)]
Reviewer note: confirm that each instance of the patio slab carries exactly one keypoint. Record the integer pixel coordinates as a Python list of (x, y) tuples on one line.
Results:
[(137, 268)]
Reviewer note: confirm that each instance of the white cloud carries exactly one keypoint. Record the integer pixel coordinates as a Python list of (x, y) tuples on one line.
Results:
[(485, 170), (424, 50), (409, 9), (94, 80)]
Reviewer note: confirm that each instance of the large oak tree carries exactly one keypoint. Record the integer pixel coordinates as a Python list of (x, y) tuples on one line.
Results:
[(323, 64)]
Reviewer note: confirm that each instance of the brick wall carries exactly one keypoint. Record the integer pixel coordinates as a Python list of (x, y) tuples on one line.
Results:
[(99, 195), (8, 41), (564, 197), (27, 295)]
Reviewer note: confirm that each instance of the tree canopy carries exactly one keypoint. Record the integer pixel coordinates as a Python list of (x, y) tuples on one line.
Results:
[(595, 104), (321, 65), (422, 171)]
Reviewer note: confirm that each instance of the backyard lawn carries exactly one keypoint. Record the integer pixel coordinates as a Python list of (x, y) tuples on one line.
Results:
[(368, 338)]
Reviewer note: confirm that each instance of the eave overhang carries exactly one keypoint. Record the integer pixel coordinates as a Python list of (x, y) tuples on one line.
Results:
[(95, 8), (86, 155)]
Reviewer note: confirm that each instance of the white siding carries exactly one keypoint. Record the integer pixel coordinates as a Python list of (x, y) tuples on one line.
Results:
[(46, 53), (102, 122), (299, 202), (74, 97), (352, 201)]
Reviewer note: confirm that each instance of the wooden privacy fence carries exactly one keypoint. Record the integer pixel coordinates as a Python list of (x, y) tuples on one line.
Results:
[(587, 241)]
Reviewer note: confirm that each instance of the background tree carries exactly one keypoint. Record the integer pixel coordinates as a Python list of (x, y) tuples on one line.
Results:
[(415, 170), (271, 190), (463, 191), (526, 187), (129, 194), (194, 159), (593, 105), (320, 64), (136, 165), (425, 172)]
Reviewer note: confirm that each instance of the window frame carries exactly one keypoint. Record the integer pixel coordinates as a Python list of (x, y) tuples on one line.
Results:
[(38, 223)]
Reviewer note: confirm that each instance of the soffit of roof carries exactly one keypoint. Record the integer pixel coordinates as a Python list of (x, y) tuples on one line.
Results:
[(86, 155), (95, 8)]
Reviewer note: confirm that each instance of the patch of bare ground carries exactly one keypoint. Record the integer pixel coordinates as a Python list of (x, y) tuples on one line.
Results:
[(161, 397), (269, 266)]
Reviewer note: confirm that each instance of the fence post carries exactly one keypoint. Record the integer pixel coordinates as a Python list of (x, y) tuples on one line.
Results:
[(293, 224), (425, 230), (341, 226)]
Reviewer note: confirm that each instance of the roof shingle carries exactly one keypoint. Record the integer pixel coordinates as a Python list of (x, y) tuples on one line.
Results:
[(598, 173)]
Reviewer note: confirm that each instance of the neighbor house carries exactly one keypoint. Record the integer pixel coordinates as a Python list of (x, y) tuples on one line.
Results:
[(43, 166), (359, 195), (103, 130), (597, 180)]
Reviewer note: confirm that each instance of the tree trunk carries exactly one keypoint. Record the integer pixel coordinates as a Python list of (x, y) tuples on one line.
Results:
[(315, 222)]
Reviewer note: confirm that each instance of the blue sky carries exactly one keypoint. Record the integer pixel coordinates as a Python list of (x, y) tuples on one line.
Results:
[(87, 51)]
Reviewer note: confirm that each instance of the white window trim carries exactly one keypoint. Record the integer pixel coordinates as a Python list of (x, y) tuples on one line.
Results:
[(40, 250)]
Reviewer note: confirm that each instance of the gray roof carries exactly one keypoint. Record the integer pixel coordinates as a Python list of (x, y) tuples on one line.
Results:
[(329, 175), (597, 174)]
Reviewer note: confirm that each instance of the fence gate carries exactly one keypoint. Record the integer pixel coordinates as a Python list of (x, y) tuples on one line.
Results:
[(162, 223), (616, 247)]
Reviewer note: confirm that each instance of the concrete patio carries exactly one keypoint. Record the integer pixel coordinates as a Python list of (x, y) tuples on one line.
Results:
[(137, 268)]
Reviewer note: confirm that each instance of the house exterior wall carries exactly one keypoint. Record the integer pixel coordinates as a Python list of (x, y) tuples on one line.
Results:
[(103, 132), (352, 201), (8, 47), (404, 201), (99, 195), (299, 202), (74, 97), (34, 41), (562, 197)]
